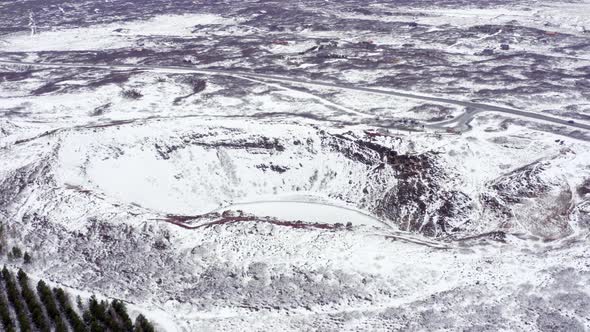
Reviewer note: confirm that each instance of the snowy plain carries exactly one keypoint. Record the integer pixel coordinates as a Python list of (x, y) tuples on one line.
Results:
[(223, 205)]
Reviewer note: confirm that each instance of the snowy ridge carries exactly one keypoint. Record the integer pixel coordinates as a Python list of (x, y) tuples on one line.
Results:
[(303, 166)]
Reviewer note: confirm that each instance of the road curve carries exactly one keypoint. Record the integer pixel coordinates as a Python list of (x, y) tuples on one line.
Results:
[(229, 72)]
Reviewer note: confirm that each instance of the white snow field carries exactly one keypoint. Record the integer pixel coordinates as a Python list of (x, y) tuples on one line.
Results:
[(303, 166)]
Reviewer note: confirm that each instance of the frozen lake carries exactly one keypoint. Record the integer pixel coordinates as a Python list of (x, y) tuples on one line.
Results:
[(307, 211)]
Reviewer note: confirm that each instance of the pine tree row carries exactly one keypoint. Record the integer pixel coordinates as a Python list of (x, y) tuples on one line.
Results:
[(5, 315), (16, 301), (39, 319), (51, 310), (102, 316), (75, 322)]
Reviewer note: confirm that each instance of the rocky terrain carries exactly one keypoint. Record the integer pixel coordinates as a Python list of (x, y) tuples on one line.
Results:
[(345, 166)]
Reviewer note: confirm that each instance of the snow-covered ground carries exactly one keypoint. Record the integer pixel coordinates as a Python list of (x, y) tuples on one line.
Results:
[(230, 202), (113, 35)]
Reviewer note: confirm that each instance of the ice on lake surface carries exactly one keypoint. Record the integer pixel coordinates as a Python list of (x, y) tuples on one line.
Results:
[(307, 211)]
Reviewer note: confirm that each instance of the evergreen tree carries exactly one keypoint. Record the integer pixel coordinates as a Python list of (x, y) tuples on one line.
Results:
[(16, 300), (16, 252), (97, 309), (5, 315), (95, 326), (72, 316), (113, 322), (100, 316), (100, 313), (143, 325), (35, 309), (27, 258), (48, 301), (79, 302), (60, 326), (121, 310)]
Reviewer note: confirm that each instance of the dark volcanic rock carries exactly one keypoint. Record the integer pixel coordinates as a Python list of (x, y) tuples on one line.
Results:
[(417, 202)]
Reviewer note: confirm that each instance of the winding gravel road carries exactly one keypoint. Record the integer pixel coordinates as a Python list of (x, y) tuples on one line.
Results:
[(473, 105)]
